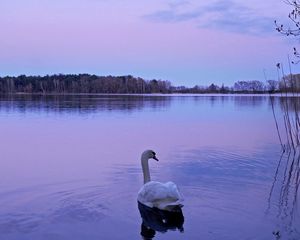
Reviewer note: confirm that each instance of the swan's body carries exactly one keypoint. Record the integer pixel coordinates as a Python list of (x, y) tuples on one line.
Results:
[(164, 196)]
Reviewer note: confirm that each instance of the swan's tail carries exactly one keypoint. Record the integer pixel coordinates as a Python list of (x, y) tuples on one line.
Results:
[(170, 205), (174, 208)]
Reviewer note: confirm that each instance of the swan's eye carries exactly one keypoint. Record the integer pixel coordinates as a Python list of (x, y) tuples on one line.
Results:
[(154, 153)]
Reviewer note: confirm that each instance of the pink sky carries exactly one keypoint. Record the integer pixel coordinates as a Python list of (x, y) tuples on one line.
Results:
[(183, 41)]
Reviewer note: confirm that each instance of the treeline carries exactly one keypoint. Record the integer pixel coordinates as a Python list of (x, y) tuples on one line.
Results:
[(238, 87), (86, 83), (289, 83), (82, 83)]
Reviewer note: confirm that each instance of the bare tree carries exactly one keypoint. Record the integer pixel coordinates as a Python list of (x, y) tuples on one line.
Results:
[(294, 16)]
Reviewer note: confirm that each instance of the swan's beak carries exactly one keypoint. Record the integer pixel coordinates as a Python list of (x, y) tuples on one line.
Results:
[(155, 158)]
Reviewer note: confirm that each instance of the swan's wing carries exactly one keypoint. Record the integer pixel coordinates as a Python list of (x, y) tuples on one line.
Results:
[(173, 191), (160, 195), (153, 191)]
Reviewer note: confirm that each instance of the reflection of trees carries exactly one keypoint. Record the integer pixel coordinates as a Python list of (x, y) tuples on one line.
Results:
[(238, 100), (81, 103), (249, 101), (85, 103), (155, 219), (289, 106), (291, 103)]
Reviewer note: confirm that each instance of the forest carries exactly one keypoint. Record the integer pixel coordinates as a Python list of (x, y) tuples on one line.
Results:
[(89, 84)]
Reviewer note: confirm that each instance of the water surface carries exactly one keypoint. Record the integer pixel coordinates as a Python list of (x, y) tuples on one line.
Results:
[(70, 168)]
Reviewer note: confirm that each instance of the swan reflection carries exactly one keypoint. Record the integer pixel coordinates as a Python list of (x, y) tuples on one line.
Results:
[(155, 219)]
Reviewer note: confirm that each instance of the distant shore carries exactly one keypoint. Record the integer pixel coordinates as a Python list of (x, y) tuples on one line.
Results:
[(263, 94), (93, 84)]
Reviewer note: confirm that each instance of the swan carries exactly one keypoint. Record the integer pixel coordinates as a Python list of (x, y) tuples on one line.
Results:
[(164, 196)]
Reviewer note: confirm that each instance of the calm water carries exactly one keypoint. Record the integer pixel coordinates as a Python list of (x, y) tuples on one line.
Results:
[(70, 167)]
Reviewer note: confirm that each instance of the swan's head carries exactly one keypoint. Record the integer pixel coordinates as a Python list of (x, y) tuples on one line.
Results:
[(148, 154)]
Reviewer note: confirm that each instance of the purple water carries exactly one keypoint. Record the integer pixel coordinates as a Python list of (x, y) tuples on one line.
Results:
[(70, 166)]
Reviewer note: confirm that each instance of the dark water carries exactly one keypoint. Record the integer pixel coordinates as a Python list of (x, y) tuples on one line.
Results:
[(70, 168)]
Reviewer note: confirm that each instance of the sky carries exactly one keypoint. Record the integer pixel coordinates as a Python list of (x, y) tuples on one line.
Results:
[(188, 42)]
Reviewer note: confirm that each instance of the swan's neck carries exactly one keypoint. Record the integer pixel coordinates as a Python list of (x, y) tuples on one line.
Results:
[(145, 167)]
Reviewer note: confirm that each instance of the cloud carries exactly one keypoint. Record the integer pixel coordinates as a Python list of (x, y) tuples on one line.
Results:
[(234, 17), (239, 24), (172, 16), (223, 15), (176, 11), (178, 3)]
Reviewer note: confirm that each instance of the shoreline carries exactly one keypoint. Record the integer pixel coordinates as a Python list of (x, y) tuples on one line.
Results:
[(155, 94)]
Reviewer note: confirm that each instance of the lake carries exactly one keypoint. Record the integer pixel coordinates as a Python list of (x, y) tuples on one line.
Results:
[(70, 166)]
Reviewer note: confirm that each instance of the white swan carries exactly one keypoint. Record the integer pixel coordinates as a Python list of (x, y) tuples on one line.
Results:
[(164, 196)]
